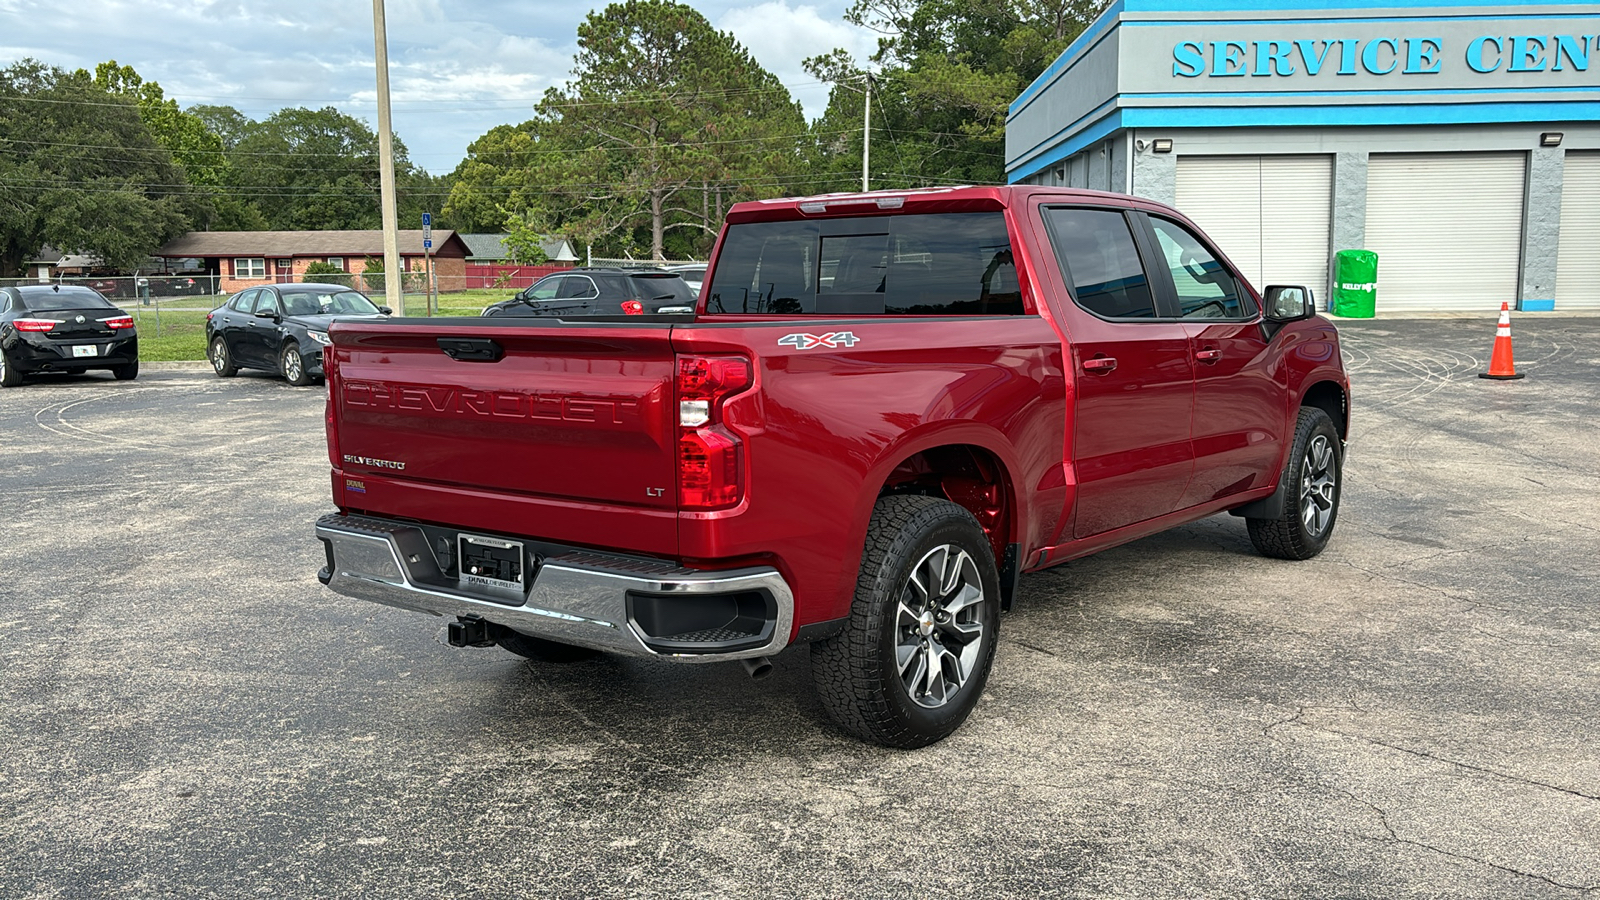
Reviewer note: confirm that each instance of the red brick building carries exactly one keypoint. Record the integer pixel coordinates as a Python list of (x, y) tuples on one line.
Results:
[(242, 259)]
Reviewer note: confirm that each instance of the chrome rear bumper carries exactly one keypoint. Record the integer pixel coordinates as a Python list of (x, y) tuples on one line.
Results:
[(576, 597)]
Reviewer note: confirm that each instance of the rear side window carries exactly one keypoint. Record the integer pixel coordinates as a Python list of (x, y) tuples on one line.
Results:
[(1204, 287), (956, 264), (1096, 250)]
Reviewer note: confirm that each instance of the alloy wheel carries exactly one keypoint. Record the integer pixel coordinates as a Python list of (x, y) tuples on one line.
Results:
[(939, 626), (219, 355), (292, 365), (1318, 484)]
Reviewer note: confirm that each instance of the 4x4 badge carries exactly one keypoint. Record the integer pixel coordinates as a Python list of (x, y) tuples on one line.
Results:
[(812, 341)]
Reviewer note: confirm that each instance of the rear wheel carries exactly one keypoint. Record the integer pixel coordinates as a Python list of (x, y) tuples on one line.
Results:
[(294, 366), (10, 375), (917, 650), (1311, 483), (221, 359), (530, 647), (126, 372)]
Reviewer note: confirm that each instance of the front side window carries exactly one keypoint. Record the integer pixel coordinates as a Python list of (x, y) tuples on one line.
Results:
[(254, 267), (1097, 254), (945, 264), (1205, 288), (266, 301)]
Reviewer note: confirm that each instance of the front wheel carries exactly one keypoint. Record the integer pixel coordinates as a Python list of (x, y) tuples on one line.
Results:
[(294, 366), (1311, 483), (917, 649)]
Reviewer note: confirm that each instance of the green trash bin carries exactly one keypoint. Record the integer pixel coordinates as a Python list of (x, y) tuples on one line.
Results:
[(1355, 284)]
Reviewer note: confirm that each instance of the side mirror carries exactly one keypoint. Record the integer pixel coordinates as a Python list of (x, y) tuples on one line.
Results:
[(267, 314), (386, 310), (1288, 303)]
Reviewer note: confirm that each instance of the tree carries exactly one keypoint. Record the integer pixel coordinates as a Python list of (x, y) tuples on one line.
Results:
[(665, 122), (82, 171), (948, 71), (312, 169), (228, 124)]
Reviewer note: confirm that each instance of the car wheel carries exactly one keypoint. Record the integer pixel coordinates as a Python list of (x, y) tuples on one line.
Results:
[(221, 360), (530, 647), (126, 372), (1311, 483), (917, 648), (10, 375), (293, 365)]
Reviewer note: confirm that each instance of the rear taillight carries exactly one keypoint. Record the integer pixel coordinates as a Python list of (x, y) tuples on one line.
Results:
[(35, 324), (632, 308), (330, 375), (117, 323), (710, 464)]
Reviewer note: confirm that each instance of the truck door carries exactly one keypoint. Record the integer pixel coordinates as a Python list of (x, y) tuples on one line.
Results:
[(1239, 409), (1133, 371)]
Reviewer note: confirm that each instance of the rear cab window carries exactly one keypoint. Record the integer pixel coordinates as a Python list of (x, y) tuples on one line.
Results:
[(936, 264)]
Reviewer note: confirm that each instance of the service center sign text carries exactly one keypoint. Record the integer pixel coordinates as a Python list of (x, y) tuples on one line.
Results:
[(1383, 56)]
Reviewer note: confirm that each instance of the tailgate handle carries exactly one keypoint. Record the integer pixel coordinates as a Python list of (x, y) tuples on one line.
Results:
[(471, 349)]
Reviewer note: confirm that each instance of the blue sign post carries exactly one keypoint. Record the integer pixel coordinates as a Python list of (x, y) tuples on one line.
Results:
[(427, 255)]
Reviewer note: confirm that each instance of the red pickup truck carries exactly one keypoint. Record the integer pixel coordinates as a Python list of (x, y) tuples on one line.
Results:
[(885, 409)]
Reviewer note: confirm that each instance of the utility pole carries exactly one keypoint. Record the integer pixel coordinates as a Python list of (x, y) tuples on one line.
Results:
[(866, 137), (392, 274)]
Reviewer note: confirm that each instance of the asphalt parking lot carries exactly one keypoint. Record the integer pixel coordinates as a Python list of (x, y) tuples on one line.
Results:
[(185, 712)]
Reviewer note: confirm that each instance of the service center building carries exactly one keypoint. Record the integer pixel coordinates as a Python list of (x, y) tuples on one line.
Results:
[(1461, 143)]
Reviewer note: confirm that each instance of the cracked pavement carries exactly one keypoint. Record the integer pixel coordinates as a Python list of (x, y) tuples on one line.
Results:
[(185, 712)]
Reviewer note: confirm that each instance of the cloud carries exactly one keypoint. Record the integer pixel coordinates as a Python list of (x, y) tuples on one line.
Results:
[(457, 67), (781, 37)]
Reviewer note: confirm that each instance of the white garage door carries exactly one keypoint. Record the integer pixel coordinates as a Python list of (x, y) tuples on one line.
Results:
[(1447, 228), (1269, 214), (1578, 261)]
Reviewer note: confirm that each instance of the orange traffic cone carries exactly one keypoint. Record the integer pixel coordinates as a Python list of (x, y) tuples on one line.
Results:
[(1500, 365)]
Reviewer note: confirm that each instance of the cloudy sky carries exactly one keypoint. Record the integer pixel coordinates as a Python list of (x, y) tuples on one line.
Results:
[(457, 67)]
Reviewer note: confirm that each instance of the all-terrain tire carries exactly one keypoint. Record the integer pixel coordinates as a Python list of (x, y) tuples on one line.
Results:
[(927, 600), (530, 647), (1311, 483)]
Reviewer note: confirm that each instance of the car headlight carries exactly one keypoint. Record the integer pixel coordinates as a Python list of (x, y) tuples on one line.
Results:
[(320, 337)]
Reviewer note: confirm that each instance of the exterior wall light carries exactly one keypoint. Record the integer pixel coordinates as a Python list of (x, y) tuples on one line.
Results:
[(1550, 139), (1164, 145)]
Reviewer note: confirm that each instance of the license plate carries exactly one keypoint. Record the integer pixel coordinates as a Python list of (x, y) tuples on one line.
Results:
[(487, 562), (83, 350)]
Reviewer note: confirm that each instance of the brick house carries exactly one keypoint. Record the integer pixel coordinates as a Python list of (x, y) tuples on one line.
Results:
[(242, 259)]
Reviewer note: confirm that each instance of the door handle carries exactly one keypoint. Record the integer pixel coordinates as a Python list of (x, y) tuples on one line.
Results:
[(1100, 365), (1208, 355)]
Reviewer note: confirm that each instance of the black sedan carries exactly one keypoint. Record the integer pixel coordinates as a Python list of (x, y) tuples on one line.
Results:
[(281, 328), (62, 328), (600, 292)]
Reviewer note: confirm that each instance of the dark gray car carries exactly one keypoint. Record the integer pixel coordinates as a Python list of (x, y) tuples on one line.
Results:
[(281, 328)]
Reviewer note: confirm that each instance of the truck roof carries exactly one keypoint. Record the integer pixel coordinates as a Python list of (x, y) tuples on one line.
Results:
[(954, 198)]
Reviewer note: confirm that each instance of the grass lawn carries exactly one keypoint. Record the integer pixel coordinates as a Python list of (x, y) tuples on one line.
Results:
[(176, 329)]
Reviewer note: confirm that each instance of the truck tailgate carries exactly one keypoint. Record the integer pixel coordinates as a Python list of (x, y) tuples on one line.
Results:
[(560, 412)]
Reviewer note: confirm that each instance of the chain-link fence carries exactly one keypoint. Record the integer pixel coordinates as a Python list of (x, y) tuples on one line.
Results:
[(137, 288)]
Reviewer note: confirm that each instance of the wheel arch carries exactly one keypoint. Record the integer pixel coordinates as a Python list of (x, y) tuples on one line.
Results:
[(1332, 398), (976, 471)]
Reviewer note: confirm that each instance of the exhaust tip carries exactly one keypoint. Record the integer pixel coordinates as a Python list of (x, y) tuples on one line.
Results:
[(757, 668)]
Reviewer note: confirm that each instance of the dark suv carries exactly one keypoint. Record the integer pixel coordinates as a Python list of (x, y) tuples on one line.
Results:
[(600, 292)]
